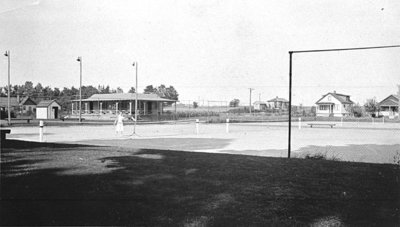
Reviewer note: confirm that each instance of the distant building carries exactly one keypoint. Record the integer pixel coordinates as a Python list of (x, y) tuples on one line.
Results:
[(18, 105), (27, 105), (14, 104), (48, 109), (278, 103), (389, 106), (148, 104), (259, 105), (333, 105)]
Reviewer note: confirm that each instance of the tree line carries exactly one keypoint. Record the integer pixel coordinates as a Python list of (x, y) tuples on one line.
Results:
[(63, 96)]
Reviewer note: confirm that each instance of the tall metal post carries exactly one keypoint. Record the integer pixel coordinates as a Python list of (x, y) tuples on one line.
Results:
[(80, 88), (7, 54), (135, 64), (250, 99), (290, 103)]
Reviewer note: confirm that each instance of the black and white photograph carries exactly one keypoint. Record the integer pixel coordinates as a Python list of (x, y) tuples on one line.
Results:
[(200, 113)]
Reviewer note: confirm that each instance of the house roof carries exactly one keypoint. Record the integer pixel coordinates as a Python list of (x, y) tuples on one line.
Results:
[(344, 99), (278, 100), (126, 96), (27, 101), (259, 102), (4, 101), (391, 100), (46, 103), (14, 101)]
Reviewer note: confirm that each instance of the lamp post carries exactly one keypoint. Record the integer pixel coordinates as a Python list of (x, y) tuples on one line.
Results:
[(135, 64), (7, 54), (80, 88), (251, 89)]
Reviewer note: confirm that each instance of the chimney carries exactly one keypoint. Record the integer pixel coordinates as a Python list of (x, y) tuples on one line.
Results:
[(334, 92)]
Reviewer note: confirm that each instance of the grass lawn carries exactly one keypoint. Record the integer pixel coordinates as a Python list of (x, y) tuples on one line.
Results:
[(64, 184)]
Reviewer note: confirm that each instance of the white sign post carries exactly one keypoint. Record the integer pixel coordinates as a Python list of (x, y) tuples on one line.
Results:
[(41, 131), (227, 125), (197, 126)]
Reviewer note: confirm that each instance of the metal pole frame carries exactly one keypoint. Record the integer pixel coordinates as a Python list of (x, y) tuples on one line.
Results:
[(80, 88), (313, 51), (135, 64), (7, 54)]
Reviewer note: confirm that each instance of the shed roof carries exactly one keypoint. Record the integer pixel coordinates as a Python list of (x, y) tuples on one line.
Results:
[(46, 103), (126, 96)]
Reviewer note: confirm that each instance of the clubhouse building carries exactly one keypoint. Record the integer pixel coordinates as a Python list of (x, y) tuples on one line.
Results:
[(110, 104)]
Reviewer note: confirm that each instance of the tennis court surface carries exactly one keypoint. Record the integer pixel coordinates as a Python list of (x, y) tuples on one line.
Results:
[(350, 141)]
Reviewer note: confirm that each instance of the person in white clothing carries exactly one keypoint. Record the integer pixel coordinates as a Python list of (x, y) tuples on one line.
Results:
[(119, 125)]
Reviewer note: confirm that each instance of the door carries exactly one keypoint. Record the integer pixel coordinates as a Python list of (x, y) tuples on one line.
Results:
[(55, 111)]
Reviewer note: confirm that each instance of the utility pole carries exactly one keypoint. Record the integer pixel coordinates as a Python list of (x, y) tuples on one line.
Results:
[(135, 64), (7, 54), (251, 89), (259, 97), (80, 88)]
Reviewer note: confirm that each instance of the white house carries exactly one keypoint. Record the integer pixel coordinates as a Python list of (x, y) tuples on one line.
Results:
[(390, 106), (333, 105), (259, 105), (48, 109)]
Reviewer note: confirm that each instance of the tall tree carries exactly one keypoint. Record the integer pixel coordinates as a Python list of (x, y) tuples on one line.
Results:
[(234, 103), (150, 89), (38, 91), (371, 106), (28, 88), (167, 92), (119, 90), (132, 90), (88, 91), (47, 93), (57, 92)]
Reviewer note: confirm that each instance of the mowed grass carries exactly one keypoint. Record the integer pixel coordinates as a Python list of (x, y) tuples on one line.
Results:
[(63, 184)]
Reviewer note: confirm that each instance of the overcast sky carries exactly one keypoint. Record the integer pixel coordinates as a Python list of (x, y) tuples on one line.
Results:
[(211, 50)]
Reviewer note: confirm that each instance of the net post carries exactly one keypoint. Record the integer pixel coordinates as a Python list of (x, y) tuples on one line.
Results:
[(290, 103)]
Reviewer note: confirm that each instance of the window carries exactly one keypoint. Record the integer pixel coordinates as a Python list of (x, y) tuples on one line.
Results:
[(323, 107)]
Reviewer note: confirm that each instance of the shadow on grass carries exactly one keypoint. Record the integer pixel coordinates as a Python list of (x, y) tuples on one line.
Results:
[(158, 187), (372, 153), (165, 143), (21, 144)]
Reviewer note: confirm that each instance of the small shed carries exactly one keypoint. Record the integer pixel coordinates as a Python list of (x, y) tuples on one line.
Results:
[(259, 105), (48, 109)]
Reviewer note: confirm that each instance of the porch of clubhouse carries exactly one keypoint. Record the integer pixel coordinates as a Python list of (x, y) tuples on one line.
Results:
[(108, 105)]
